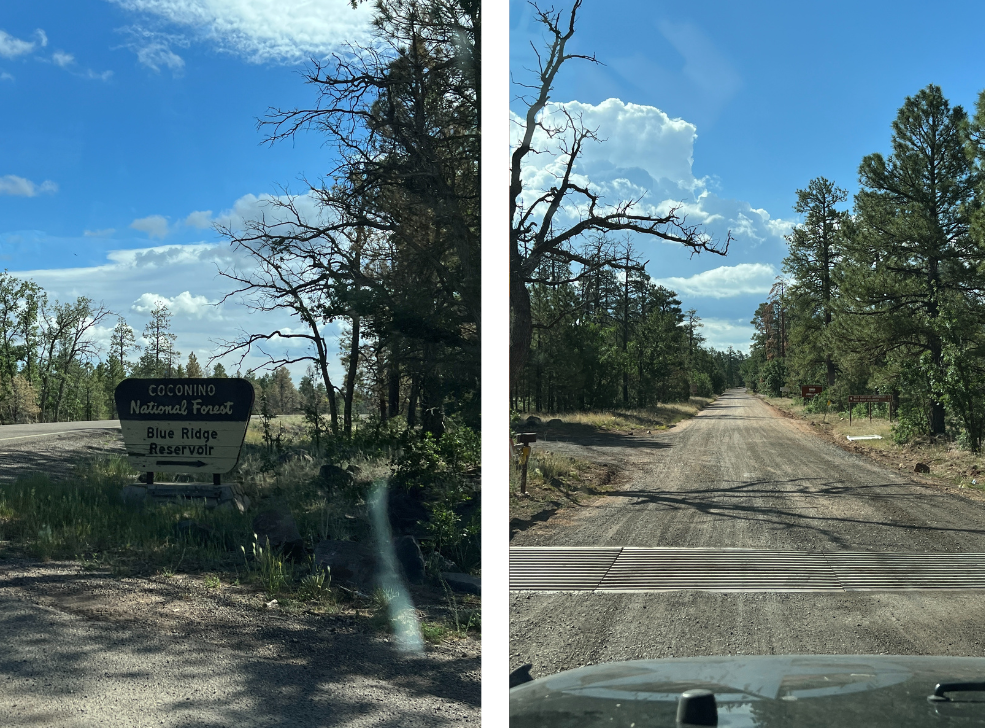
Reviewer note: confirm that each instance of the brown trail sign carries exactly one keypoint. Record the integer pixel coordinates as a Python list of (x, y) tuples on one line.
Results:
[(810, 391), (868, 399), (184, 425)]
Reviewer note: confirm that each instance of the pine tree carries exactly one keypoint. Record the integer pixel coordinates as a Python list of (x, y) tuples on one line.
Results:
[(910, 258), (815, 247), (194, 369)]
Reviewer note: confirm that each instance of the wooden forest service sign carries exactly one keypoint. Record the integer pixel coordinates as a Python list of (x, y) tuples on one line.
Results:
[(868, 399), (184, 425), (809, 391), (863, 398)]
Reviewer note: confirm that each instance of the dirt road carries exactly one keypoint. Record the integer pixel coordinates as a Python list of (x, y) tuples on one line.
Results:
[(739, 476)]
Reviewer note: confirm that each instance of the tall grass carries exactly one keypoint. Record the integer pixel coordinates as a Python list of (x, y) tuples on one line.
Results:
[(86, 515), (656, 417)]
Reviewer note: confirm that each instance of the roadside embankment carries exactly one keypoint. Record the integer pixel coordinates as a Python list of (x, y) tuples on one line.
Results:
[(949, 466), (560, 475)]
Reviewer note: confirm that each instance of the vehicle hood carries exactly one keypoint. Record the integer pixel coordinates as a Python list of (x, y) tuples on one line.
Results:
[(774, 690)]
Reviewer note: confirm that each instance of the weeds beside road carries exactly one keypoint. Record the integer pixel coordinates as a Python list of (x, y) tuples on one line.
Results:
[(77, 514), (949, 464), (556, 480)]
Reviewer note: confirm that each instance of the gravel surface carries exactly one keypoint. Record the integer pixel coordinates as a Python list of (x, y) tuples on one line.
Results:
[(738, 475), (83, 648)]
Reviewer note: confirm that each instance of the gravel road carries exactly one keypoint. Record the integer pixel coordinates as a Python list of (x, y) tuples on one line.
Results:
[(738, 475)]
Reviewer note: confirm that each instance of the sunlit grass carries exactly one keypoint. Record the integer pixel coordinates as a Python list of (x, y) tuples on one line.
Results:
[(653, 418)]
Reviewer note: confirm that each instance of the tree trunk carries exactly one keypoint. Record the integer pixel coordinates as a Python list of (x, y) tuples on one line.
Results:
[(350, 377), (393, 383), (937, 426), (521, 327), (412, 404)]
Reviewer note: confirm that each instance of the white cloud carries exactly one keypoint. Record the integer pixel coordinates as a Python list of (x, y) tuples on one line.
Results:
[(106, 232), (644, 155), (269, 207), (727, 281), (156, 226), (287, 31), (13, 185), (184, 304), (96, 75), (200, 219), (153, 48), (11, 47), (62, 59), (720, 334), (42, 37), (4, 76), (186, 278)]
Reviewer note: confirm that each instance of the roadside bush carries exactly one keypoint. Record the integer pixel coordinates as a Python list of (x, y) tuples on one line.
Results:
[(774, 375), (907, 428), (426, 462)]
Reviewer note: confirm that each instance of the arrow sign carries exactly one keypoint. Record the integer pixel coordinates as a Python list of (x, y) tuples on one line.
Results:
[(168, 422)]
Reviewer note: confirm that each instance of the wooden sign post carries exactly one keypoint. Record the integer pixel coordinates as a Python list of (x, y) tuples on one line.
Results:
[(869, 399), (184, 425)]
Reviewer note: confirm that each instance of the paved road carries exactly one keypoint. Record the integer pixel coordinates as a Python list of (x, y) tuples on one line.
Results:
[(52, 448), (10, 433), (740, 476)]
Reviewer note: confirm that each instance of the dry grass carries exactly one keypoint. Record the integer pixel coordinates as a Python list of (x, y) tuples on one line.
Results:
[(658, 417)]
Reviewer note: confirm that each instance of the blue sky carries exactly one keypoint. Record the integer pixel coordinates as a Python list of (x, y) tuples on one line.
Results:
[(732, 107), (129, 129)]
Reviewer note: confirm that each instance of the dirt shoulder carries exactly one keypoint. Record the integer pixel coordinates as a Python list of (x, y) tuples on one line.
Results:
[(951, 469), (578, 462)]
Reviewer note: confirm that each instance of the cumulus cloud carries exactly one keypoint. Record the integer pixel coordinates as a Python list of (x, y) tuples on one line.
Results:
[(184, 304), (727, 281), (200, 219), (720, 334), (646, 155), (11, 47), (284, 31), (18, 186), (251, 207), (156, 226)]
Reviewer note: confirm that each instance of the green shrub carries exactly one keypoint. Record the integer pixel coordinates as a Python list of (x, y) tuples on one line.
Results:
[(906, 428)]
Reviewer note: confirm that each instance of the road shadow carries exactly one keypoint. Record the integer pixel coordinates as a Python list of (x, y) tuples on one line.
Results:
[(517, 525), (55, 456), (590, 436), (273, 670), (732, 502)]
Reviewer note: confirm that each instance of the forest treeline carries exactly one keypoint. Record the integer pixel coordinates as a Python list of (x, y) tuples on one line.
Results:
[(52, 369), (887, 297), (614, 338)]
